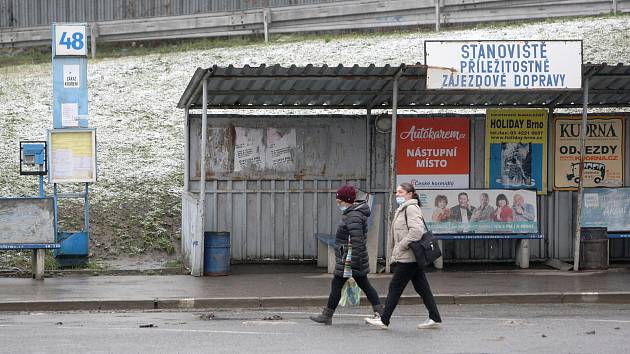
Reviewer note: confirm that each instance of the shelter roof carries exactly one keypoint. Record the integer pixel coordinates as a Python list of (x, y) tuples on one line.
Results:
[(363, 87)]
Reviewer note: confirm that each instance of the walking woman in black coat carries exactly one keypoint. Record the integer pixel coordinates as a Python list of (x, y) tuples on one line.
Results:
[(354, 215)]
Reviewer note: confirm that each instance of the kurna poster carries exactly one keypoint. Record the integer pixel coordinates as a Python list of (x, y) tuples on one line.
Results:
[(603, 164), (516, 149), (433, 153)]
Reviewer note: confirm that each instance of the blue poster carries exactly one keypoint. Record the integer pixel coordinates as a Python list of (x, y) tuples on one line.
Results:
[(606, 207)]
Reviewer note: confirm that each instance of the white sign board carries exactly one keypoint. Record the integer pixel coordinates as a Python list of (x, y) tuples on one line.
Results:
[(71, 76), (69, 113), (503, 65), (70, 40)]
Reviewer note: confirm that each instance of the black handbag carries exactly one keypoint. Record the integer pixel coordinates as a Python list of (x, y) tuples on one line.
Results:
[(426, 250)]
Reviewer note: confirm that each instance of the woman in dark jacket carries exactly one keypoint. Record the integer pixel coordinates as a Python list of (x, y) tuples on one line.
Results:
[(354, 215)]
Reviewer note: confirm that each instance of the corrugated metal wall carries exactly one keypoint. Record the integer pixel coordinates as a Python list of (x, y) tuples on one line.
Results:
[(29, 13), (276, 217)]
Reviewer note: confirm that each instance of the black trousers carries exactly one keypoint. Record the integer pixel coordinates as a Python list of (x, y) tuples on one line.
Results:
[(403, 273), (362, 282)]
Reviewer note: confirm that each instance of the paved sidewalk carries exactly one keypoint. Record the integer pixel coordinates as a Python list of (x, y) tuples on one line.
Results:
[(279, 286)]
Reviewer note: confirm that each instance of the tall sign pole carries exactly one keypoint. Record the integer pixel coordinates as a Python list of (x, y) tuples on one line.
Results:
[(69, 60), (72, 144)]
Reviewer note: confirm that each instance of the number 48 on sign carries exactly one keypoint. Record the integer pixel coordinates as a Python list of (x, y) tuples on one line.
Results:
[(70, 40)]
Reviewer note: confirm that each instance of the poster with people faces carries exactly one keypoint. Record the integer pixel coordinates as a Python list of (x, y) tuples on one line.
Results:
[(516, 149), (480, 211)]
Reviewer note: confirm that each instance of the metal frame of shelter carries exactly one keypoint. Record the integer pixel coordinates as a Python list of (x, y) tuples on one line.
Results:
[(382, 88)]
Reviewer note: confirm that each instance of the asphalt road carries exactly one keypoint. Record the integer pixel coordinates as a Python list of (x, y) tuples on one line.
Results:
[(579, 328)]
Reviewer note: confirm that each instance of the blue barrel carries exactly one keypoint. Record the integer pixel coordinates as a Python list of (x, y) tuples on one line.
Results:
[(216, 253)]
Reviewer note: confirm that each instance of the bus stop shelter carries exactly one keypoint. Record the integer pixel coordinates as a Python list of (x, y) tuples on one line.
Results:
[(345, 88)]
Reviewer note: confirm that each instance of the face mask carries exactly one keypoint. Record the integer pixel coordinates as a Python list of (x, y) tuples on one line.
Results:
[(342, 208), (400, 200)]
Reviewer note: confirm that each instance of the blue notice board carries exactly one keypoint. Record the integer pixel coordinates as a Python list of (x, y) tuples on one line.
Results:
[(606, 207)]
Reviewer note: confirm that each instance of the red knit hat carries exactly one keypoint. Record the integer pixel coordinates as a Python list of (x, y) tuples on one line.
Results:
[(346, 193)]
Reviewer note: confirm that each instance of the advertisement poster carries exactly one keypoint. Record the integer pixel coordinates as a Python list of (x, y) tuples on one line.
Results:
[(433, 153), (603, 164), (260, 149), (516, 149), (280, 146), (480, 211), (503, 65), (249, 149), (607, 207)]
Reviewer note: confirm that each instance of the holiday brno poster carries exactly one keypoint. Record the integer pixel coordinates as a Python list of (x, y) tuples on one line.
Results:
[(516, 145)]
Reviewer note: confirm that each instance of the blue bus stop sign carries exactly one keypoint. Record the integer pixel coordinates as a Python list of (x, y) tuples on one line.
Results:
[(69, 59)]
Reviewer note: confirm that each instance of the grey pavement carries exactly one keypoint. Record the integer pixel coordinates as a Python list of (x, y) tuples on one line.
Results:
[(502, 328), (255, 286)]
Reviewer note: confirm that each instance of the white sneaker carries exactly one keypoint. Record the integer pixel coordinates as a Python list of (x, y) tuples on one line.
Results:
[(375, 316), (429, 324), (376, 322)]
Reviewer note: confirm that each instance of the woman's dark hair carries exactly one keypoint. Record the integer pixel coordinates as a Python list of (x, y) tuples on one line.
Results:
[(439, 198), (502, 197), (409, 188)]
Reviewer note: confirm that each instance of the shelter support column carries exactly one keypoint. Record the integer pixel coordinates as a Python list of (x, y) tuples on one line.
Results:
[(374, 229), (198, 242), (186, 151), (576, 246), (392, 170), (368, 151)]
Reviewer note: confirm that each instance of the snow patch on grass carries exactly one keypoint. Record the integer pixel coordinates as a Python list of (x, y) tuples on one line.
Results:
[(136, 201)]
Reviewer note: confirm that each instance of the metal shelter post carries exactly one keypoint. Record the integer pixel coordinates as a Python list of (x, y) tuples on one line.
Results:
[(576, 246), (368, 158), (186, 151), (197, 249), (392, 167)]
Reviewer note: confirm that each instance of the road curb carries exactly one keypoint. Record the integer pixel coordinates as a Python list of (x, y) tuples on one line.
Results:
[(303, 301), (77, 305)]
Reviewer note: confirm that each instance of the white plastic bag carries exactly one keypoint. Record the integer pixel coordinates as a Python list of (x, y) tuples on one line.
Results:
[(350, 293)]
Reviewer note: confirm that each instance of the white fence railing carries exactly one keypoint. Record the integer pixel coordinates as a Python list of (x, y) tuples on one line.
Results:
[(335, 16)]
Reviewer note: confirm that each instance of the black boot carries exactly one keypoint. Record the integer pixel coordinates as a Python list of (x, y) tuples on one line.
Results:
[(325, 317)]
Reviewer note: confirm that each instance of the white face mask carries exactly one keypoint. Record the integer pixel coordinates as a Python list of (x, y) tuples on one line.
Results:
[(342, 208), (400, 200)]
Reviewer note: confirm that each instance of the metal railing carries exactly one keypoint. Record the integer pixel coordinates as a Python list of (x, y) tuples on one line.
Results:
[(258, 19)]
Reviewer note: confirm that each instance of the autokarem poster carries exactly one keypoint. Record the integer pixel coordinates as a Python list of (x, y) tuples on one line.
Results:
[(516, 145), (433, 153), (603, 164)]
